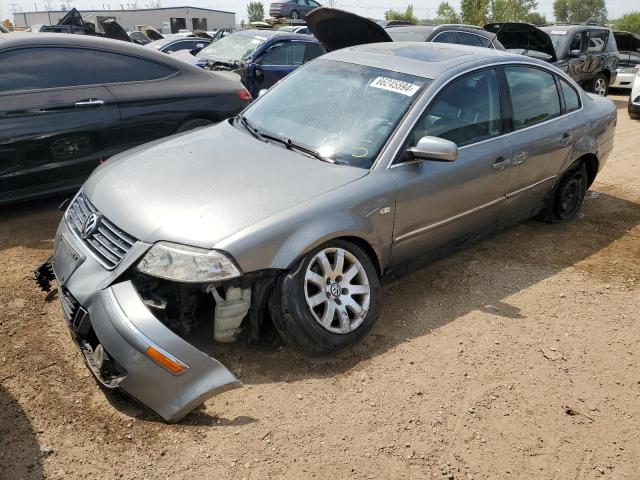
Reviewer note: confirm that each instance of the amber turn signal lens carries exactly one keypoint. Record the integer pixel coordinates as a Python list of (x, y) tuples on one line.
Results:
[(171, 365)]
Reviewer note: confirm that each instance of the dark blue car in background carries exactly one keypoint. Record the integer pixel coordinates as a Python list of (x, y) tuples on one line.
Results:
[(260, 57)]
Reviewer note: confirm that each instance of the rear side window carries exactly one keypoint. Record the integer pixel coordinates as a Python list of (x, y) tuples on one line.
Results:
[(444, 37), (52, 67), (291, 53), (467, 111), (597, 41), (312, 50), (571, 97), (534, 96), (469, 39)]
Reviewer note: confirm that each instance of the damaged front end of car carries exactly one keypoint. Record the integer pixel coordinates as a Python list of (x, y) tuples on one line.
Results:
[(146, 316)]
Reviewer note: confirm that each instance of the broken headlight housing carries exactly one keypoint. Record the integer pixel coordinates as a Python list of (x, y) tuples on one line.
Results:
[(187, 264)]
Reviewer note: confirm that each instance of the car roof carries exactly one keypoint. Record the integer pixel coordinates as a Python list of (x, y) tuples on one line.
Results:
[(254, 32), (424, 59)]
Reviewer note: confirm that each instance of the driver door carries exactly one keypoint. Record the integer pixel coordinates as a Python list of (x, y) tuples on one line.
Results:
[(440, 203)]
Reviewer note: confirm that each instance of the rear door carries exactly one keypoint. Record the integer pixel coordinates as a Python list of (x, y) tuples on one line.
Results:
[(595, 52), (56, 120), (542, 139)]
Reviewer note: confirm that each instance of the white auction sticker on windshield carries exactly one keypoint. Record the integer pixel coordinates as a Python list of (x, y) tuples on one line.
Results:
[(398, 86), (558, 32)]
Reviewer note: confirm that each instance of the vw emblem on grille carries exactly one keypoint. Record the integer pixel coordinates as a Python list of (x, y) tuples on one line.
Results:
[(91, 224)]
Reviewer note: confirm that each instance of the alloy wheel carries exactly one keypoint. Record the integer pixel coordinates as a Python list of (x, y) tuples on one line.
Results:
[(337, 290), (600, 87)]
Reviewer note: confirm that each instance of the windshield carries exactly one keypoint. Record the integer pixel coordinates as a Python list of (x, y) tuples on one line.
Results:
[(558, 37), (403, 34), (232, 48), (344, 112)]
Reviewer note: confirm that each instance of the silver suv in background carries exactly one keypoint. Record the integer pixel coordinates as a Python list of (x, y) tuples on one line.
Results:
[(291, 217)]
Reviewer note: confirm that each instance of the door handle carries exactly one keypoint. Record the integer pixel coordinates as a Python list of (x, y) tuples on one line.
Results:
[(91, 102), (565, 139), (501, 163)]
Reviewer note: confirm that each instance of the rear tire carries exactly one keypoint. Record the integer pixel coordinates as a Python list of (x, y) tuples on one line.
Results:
[(565, 200), (193, 124), (324, 309), (600, 85)]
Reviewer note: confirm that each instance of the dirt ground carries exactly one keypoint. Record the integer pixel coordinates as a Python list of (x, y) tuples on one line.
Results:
[(517, 358)]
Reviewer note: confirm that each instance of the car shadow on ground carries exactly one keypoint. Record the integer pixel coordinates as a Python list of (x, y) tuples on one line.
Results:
[(482, 278), (20, 455), (31, 224)]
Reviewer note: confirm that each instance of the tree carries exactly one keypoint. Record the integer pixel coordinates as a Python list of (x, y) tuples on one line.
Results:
[(447, 14), (511, 10), (255, 11), (474, 12), (578, 11), (398, 15), (536, 18), (629, 22)]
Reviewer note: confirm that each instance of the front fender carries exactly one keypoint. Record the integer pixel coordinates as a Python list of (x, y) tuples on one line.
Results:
[(363, 209)]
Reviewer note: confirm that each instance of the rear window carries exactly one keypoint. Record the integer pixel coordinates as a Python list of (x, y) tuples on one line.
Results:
[(402, 34), (53, 67)]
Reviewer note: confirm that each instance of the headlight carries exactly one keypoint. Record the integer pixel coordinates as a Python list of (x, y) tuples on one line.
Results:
[(187, 264)]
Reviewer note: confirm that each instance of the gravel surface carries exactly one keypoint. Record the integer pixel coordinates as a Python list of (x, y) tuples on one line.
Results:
[(516, 358)]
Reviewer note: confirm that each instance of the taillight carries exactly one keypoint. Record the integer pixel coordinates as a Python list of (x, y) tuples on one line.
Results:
[(244, 95)]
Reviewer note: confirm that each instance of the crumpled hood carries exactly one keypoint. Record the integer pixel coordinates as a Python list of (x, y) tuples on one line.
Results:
[(198, 188)]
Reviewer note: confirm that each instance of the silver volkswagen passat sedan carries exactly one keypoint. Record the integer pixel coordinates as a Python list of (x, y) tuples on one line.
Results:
[(289, 217)]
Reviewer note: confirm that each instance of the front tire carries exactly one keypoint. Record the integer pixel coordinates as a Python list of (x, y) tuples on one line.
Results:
[(565, 200), (600, 85), (329, 301)]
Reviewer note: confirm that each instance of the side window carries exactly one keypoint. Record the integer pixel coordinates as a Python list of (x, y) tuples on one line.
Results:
[(597, 41), (469, 39), (444, 37), (576, 43), (53, 67), (571, 97), (314, 4), (275, 55), (312, 50), (534, 96), (466, 111)]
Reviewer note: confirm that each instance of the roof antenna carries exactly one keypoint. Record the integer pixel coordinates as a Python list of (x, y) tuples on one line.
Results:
[(496, 35)]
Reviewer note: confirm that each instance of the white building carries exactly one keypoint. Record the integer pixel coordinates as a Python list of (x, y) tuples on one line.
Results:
[(165, 20)]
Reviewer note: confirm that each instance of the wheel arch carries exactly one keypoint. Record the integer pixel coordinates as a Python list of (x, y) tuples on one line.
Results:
[(591, 162)]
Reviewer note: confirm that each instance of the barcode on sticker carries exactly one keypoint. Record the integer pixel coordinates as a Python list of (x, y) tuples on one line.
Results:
[(398, 86)]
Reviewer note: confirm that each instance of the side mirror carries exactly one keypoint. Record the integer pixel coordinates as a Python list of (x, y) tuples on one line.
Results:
[(262, 92), (434, 148), (259, 74), (574, 53)]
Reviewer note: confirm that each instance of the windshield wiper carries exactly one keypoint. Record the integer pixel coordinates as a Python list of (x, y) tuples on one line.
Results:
[(250, 128), (291, 145)]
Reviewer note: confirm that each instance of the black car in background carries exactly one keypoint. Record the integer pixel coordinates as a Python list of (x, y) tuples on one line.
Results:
[(447, 33), (176, 43), (69, 102), (588, 53)]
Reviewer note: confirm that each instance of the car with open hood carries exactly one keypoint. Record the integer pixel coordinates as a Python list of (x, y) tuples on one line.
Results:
[(588, 53), (70, 102), (337, 29), (260, 57), (73, 22), (287, 219), (629, 59), (173, 44)]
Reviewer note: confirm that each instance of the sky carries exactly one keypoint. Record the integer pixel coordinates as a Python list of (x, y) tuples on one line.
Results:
[(367, 8)]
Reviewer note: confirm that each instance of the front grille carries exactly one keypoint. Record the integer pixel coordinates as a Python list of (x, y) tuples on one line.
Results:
[(107, 242)]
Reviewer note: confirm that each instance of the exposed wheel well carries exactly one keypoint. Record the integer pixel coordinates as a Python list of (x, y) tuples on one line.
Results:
[(607, 74), (591, 162), (363, 244)]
